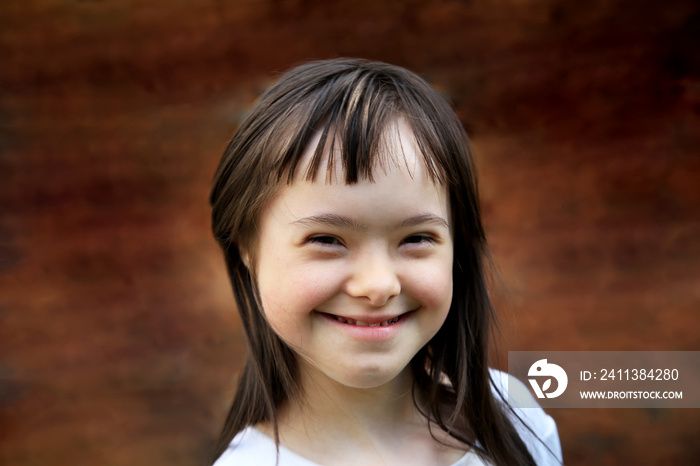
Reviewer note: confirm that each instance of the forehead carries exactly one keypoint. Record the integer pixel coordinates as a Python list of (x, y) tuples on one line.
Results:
[(397, 149), (399, 189)]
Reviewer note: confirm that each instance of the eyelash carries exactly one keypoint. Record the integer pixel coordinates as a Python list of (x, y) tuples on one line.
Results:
[(421, 238), (328, 240), (324, 240)]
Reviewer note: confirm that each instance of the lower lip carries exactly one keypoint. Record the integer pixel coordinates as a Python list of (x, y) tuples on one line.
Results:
[(367, 333)]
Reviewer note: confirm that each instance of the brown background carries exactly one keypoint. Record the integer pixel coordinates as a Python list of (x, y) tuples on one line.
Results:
[(119, 341)]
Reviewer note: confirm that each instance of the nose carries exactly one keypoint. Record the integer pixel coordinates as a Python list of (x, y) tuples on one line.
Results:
[(374, 278)]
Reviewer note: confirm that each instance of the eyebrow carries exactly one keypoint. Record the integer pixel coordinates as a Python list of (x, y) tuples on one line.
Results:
[(423, 219), (339, 221)]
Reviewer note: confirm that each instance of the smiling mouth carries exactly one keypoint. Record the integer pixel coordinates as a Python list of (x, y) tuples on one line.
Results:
[(362, 323)]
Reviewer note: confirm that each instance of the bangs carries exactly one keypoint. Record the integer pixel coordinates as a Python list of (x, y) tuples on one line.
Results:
[(352, 114)]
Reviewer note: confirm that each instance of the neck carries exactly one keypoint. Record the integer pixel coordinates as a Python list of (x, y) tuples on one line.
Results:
[(326, 406), (378, 425)]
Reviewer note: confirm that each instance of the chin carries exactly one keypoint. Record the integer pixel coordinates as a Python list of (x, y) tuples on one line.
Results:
[(367, 378)]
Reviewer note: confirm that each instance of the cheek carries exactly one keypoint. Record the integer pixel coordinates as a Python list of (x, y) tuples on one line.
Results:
[(297, 289), (290, 294), (432, 286), (279, 315)]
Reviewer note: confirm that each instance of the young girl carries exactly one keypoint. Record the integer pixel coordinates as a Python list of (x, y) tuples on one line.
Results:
[(346, 206)]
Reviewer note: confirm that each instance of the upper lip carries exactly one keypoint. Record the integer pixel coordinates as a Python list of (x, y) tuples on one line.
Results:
[(369, 319)]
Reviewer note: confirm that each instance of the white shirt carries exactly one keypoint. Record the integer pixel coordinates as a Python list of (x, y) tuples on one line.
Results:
[(251, 447)]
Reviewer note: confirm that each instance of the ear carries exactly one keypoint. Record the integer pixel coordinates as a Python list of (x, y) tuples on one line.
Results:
[(245, 256)]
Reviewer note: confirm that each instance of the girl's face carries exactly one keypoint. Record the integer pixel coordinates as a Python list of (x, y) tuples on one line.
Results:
[(357, 278)]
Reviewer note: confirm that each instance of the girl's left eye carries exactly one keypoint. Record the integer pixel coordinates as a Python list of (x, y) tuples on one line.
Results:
[(419, 239)]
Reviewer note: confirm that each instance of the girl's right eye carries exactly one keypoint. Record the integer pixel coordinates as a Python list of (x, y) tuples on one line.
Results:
[(324, 240)]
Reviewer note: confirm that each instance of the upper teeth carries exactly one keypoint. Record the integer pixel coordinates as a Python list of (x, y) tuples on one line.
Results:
[(362, 323)]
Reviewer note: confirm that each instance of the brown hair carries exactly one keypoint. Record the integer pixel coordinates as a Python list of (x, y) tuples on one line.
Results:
[(351, 102)]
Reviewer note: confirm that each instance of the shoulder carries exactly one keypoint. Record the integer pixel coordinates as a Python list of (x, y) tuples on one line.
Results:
[(251, 447), (536, 428)]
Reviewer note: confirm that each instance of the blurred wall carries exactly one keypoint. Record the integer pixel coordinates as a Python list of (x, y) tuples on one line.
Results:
[(119, 339)]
